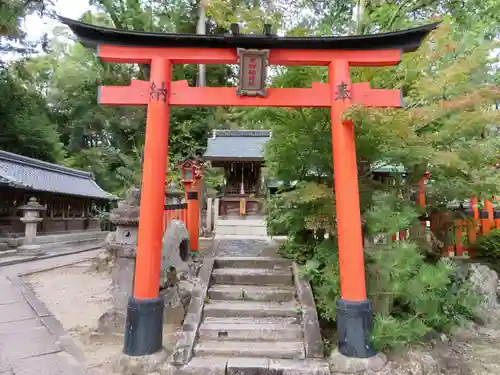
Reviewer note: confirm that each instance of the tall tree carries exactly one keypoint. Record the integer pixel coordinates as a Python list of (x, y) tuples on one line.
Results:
[(12, 15), (25, 121)]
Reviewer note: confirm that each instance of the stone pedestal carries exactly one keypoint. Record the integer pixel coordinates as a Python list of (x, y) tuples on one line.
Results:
[(31, 218)]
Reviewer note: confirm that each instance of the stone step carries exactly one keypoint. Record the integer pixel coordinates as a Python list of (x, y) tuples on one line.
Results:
[(253, 320), (250, 309), (242, 222), (252, 262), (267, 349), (246, 230), (245, 332), (252, 276), (255, 365), (56, 246), (251, 293)]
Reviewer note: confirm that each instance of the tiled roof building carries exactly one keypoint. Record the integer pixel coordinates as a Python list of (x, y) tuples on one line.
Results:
[(27, 173), (72, 198), (241, 154), (237, 145)]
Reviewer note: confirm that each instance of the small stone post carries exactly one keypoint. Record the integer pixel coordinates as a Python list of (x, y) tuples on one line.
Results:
[(31, 218), (209, 214), (216, 213)]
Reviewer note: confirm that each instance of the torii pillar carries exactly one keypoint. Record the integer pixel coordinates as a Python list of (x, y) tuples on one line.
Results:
[(144, 325)]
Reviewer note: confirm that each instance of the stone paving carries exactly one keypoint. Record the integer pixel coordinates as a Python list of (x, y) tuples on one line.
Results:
[(28, 345), (232, 246), (8, 260)]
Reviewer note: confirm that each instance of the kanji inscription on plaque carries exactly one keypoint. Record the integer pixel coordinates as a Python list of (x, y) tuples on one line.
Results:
[(253, 72)]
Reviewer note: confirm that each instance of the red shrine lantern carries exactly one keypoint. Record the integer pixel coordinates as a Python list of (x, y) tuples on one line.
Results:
[(188, 171)]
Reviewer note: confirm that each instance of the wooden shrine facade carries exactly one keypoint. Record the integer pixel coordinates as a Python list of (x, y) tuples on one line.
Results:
[(71, 198), (240, 153)]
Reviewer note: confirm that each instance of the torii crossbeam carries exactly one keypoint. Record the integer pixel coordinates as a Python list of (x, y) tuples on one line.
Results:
[(160, 51)]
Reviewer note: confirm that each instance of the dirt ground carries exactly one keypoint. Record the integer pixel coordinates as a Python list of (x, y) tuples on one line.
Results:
[(78, 297)]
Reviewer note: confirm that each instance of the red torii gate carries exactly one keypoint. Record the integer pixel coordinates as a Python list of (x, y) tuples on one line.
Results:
[(145, 311)]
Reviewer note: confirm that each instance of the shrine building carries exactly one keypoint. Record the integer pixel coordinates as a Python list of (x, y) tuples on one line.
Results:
[(240, 153), (71, 198)]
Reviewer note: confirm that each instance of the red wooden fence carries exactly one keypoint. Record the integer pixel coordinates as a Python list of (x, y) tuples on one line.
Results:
[(175, 211)]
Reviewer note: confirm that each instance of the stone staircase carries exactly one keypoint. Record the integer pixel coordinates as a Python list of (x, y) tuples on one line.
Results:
[(252, 317)]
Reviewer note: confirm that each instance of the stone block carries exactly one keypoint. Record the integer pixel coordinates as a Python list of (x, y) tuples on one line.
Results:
[(310, 323), (128, 365), (52, 364), (250, 276), (252, 331), (250, 309), (14, 312), (251, 293), (271, 263), (31, 343), (248, 366), (204, 366), (253, 349), (184, 348), (293, 367), (112, 321), (348, 365), (20, 327), (35, 303), (176, 251), (9, 294), (122, 281)]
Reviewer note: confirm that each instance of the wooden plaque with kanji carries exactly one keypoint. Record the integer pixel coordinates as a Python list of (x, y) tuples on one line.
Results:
[(253, 72)]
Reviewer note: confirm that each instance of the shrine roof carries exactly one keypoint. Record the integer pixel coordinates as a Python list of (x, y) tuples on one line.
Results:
[(405, 40), (22, 172), (237, 145)]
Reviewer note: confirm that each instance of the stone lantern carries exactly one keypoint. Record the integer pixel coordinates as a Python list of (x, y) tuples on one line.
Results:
[(122, 250), (31, 218), (123, 246), (174, 195)]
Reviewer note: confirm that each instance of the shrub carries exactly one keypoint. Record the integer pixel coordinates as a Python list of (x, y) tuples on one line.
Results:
[(410, 297), (488, 247)]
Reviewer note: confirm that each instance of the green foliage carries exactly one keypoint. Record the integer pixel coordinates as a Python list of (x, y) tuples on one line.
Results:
[(307, 207), (106, 140), (410, 296), (25, 121), (323, 272), (12, 13), (488, 247)]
